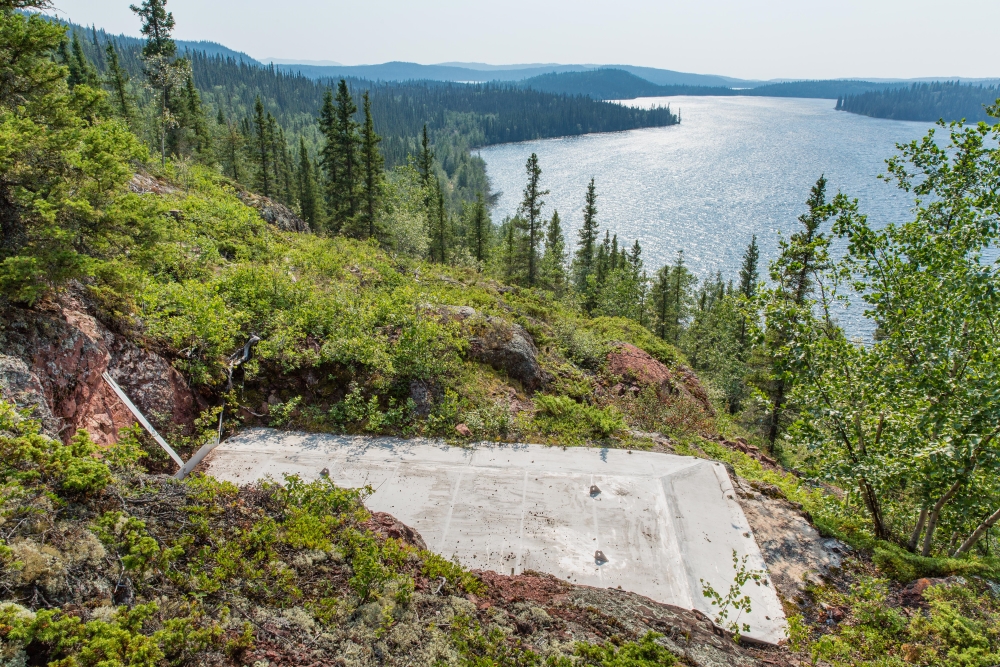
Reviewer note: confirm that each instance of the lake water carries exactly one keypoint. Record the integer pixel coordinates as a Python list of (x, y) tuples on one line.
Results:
[(734, 167)]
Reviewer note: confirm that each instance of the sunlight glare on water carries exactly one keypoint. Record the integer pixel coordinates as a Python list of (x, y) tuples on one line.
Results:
[(734, 167)]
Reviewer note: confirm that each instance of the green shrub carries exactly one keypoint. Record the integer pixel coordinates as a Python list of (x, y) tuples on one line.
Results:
[(562, 416), (28, 457), (960, 627), (644, 653), (456, 577), (903, 566), (618, 329), (66, 640)]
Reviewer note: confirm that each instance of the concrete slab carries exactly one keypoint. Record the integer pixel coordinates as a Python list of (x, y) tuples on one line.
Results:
[(663, 522)]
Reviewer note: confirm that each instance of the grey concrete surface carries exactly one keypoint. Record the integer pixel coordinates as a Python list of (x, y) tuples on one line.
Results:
[(662, 522)]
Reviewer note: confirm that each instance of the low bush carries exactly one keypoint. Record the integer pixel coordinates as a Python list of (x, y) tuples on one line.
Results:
[(563, 417)]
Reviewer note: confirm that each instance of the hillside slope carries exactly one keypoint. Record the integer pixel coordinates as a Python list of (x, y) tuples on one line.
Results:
[(354, 340)]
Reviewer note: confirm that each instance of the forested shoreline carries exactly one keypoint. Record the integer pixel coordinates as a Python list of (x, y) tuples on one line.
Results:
[(949, 101)]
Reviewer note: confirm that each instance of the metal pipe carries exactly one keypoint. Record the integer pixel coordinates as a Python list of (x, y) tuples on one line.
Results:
[(142, 420)]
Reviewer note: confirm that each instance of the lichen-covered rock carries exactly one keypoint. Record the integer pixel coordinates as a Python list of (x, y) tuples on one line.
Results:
[(274, 213), (22, 387), (636, 367), (423, 399), (510, 349)]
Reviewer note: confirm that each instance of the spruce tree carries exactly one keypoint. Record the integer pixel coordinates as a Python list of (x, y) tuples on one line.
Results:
[(117, 83), (81, 72), (262, 147), (372, 164), (101, 65), (328, 152), (602, 262), (583, 262), (230, 147), (307, 186), (162, 71), (802, 258), (345, 206), (425, 161), (554, 261), (671, 298), (749, 273), (157, 25), (480, 229), (439, 225), (531, 210), (195, 117)]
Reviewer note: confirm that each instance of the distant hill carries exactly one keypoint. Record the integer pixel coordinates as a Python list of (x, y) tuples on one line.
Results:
[(479, 73), (927, 102), (601, 84), (830, 89), (620, 84), (666, 77), (211, 49)]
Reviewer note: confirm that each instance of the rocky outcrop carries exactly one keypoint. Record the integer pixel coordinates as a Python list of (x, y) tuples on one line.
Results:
[(20, 386), (508, 348), (796, 554), (63, 350), (144, 184), (636, 367), (387, 525), (539, 607), (274, 213)]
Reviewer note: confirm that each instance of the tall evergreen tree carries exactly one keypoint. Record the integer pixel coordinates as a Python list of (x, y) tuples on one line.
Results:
[(749, 272), (162, 71), (230, 147), (195, 117), (117, 82), (328, 152), (749, 277), (554, 260), (308, 204), (479, 229), (531, 210), (803, 257), (373, 164), (425, 161), (157, 26), (81, 72), (101, 65), (262, 148), (345, 176), (671, 298), (439, 225), (583, 262)]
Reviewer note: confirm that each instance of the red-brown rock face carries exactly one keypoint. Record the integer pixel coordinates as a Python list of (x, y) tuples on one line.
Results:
[(635, 366), (68, 349)]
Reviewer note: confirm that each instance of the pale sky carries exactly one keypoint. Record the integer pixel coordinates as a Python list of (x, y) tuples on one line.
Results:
[(753, 39)]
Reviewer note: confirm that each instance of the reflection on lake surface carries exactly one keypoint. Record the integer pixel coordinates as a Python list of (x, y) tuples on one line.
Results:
[(734, 167)]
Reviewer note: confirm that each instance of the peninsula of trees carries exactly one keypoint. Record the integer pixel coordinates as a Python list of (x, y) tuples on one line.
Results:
[(929, 102)]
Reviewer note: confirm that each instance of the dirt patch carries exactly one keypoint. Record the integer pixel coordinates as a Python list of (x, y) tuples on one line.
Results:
[(533, 586)]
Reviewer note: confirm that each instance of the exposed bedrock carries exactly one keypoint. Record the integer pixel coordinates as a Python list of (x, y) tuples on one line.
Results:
[(635, 366), (56, 353)]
